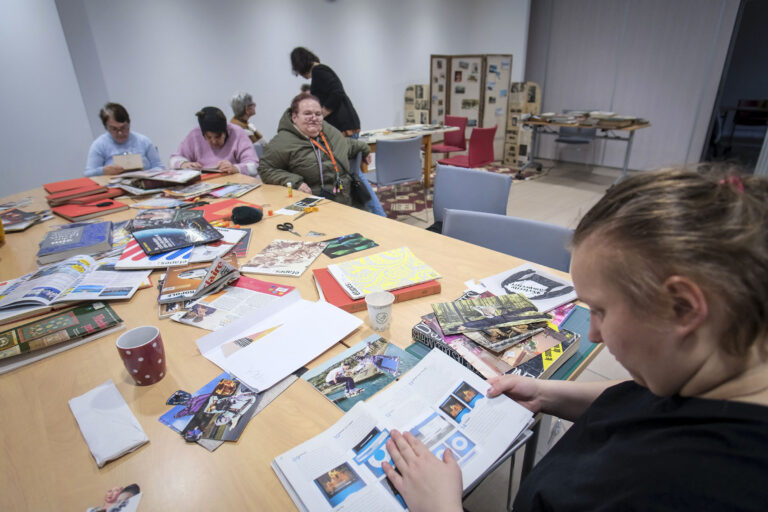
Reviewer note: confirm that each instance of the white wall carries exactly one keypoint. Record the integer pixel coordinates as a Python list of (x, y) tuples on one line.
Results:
[(45, 134), (165, 59), (655, 59)]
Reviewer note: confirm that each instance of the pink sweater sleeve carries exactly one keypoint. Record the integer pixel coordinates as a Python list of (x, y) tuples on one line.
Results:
[(185, 153)]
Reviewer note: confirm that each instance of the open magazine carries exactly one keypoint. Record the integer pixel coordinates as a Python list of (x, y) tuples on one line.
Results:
[(439, 401)]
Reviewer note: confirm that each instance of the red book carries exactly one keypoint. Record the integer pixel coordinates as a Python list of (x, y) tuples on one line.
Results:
[(67, 195), (223, 209), (61, 186), (97, 198), (335, 294), (78, 212)]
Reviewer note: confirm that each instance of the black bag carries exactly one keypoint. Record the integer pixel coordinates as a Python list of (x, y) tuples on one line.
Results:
[(358, 191)]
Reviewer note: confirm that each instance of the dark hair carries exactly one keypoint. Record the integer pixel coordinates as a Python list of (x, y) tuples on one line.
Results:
[(709, 224), (212, 119), (116, 111), (299, 98), (133, 489), (302, 60)]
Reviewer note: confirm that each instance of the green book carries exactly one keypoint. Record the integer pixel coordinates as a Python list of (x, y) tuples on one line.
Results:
[(55, 333)]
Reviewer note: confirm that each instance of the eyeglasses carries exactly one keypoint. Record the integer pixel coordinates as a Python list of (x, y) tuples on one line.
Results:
[(309, 115), (119, 129)]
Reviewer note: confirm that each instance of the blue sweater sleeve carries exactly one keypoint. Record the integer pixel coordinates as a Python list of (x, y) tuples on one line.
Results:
[(95, 164)]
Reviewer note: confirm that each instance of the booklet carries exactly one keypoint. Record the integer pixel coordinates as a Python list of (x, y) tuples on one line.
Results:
[(271, 343), (195, 280), (388, 270), (360, 371), (242, 298), (439, 401), (157, 217), (545, 290), (284, 258), (18, 220)]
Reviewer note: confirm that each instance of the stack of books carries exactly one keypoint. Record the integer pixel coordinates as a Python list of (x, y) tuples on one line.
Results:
[(506, 328), (399, 271), (82, 198)]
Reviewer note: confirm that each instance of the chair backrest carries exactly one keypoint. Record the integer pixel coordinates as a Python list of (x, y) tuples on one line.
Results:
[(538, 242), (355, 163), (398, 161), (456, 138), (469, 189), (258, 147), (576, 134), (481, 146)]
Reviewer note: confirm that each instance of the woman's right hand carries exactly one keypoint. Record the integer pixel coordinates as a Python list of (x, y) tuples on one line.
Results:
[(523, 390), (305, 188), (191, 165)]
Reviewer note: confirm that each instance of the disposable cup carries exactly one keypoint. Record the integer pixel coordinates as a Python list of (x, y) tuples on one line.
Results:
[(380, 309)]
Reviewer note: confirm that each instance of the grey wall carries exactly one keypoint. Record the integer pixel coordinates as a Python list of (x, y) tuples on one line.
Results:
[(164, 59), (45, 133), (656, 59)]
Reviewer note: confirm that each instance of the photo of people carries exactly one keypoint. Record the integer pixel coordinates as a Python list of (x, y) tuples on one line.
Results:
[(339, 483), (224, 414), (454, 408), (457, 76), (197, 313), (124, 499)]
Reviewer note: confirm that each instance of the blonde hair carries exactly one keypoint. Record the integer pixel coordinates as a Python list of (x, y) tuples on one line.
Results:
[(708, 223)]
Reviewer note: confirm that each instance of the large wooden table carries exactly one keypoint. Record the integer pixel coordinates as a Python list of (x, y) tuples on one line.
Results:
[(407, 132), (46, 464)]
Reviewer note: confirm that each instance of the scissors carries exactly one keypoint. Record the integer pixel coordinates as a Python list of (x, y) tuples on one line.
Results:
[(287, 226)]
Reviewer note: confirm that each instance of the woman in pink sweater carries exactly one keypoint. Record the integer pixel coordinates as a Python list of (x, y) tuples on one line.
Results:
[(216, 145)]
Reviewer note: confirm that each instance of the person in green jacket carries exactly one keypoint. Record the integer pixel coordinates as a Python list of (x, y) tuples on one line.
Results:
[(311, 154)]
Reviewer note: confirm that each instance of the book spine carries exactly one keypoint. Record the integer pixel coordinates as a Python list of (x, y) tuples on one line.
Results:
[(421, 333)]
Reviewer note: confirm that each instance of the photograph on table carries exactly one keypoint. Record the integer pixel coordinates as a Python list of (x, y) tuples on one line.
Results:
[(224, 415), (123, 498)]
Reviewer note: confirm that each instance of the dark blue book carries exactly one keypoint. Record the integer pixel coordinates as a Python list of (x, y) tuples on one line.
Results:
[(176, 235), (69, 241)]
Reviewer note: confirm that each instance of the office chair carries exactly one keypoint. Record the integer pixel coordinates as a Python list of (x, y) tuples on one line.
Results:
[(480, 151), (575, 136), (468, 189), (538, 242), (399, 162)]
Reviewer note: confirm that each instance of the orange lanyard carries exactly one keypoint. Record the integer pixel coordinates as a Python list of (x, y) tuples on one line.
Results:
[(328, 153)]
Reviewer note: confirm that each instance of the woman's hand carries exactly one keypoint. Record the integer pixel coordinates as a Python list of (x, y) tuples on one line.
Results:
[(305, 188), (191, 165), (523, 390), (226, 166), (368, 159), (426, 482)]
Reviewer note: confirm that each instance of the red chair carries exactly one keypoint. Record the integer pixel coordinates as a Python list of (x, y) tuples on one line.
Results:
[(454, 141), (480, 150)]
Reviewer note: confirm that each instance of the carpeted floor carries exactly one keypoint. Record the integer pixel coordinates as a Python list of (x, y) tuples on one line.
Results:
[(405, 200)]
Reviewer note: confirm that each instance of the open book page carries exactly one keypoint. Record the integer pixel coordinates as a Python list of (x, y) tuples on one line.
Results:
[(45, 285), (442, 403)]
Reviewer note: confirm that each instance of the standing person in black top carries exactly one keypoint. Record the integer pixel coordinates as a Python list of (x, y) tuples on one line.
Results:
[(337, 107), (674, 267)]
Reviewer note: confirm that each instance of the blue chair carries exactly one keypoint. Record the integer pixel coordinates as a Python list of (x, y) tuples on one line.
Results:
[(575, 136), (538, 242), (468, 189), (258, 147), (374, 205), (398, 162)]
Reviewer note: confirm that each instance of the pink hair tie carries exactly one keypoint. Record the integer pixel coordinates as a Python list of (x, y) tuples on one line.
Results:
[(734, 181)]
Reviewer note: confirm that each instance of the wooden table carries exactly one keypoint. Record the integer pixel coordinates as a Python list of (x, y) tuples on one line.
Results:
[(602, 133), (46, 464), (406, 132)]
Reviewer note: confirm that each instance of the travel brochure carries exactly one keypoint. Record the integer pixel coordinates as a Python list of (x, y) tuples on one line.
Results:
[(439, 401)]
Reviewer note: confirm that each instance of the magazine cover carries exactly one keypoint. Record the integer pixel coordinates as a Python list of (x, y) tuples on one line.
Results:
[(152, 218), (230, 239), (360, 372), (176, 235), (284, 258), (134, 257), (388, 270), (182, 283), (482, 313), (498, 339), (544, 290), (535, 345)]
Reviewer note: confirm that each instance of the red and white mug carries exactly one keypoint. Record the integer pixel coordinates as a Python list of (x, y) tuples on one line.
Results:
[(143, 354)]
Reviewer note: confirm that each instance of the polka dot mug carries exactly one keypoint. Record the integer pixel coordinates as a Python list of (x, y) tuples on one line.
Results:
[(142, 352)]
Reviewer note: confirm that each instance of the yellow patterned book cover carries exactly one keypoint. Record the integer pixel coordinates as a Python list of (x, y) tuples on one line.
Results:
[(388, 270)]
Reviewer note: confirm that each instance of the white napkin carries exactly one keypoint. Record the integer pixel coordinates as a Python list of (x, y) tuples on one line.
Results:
[(108, 425)]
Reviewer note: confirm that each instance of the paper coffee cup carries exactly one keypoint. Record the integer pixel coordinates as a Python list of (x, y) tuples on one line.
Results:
[(380, 309)]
